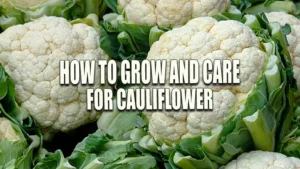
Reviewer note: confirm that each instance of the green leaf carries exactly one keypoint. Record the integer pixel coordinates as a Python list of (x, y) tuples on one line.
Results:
[(112, 4), (109, 41), (133, 163), (81, 159), (54, 160), (187, 162), (92, 143), (123, 40), (272, 6)]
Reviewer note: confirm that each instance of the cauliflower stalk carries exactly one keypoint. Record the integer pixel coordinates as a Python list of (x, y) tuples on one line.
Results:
[(39, 46), (263, 160), (19, 12), (293, 39), (136, 24), (290, 145)]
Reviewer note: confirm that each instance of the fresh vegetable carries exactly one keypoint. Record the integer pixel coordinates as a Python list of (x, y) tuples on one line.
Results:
[(263, 160), (136, 24), (245, 117), (19, 12), (290, 144), (19, 138), (223, 40), (39, 46)]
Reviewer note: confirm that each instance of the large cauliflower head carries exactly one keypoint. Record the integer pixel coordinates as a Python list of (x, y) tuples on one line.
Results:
[(31, 54), (206, 38), (293, 39), (169, 13), (263, 160)]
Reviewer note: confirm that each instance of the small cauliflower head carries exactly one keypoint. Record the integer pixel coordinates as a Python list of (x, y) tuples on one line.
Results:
[(31, 54), (263, 160), (169, 13), (6, 131), (293, 39), (206, 38)]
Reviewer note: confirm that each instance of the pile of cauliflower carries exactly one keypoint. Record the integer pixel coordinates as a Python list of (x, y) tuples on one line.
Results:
[(34, 39)]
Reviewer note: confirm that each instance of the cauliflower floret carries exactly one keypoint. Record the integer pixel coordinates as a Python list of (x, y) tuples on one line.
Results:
[(206, 38), (293, 39), (31, 53), (6, 131), (263, 160), (169, 13)]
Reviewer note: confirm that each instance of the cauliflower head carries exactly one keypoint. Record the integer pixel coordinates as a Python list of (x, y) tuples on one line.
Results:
[(169, 13), (293, 39), (206, 38), (263, 160), (7, 131), (31, 53)]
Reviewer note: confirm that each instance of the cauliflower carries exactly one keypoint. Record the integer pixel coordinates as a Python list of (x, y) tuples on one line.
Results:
[(31, 53), (137, 24), (6, 131), (16, 150), (293, 39), (244, 116), (13, 146), (206, 38), (263, 160), (169, 13)]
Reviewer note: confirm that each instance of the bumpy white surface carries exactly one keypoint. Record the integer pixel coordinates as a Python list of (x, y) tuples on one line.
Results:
[(31, 55), (6, 131), (206, 38), (293, 39), (169, 13), (263, 160)]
